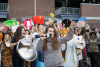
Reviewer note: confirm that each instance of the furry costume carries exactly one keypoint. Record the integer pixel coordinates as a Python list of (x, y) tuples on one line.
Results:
[(62, 34), (6, 54), (74, 51)]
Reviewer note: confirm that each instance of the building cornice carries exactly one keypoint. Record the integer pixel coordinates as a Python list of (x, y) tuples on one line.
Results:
[(93, 18), (90, 4)]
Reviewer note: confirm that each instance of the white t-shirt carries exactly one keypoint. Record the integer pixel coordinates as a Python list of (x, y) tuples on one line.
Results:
[(35, 40)]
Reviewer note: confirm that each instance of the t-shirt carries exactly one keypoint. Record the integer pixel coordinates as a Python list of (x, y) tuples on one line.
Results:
[(14, 41), (3, 36)]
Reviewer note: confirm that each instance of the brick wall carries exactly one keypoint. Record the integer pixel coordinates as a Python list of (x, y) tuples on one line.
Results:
[(24, 8), (91, 10), (94, 23)]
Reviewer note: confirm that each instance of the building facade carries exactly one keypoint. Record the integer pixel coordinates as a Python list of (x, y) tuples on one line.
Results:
[(92, 14), (24, 8)]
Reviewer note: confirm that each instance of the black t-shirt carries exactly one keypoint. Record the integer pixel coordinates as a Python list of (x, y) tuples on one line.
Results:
[(14, 41), (3, 36)]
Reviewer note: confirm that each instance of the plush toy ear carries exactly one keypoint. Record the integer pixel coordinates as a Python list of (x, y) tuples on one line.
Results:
[(81, 36), (74, 36)]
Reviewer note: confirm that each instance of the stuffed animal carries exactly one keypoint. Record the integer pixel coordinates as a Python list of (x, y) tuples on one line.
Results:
[(74, 51), (27, 23), (62, 34)]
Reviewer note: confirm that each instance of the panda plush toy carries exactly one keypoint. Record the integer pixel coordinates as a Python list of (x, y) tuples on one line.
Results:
[(74, 51)]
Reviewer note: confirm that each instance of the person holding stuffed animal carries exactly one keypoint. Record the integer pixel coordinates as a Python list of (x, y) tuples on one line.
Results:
[(74, 48), (52, 46), (93, 50)]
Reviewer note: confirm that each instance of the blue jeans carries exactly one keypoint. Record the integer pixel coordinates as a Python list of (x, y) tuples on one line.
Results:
[(40, 57)]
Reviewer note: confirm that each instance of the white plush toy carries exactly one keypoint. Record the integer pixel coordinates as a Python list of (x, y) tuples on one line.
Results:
[(74, 51), (28, 24)]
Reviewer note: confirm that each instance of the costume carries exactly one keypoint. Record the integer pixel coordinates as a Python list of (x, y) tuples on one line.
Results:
[(74, 51), (62, 34), (6, 54)]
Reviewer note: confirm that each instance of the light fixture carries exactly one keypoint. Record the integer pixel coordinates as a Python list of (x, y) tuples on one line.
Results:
[(83, 0)]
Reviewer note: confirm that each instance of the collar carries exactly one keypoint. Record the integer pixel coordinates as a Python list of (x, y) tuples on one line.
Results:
[(49, 39), (40, 32)]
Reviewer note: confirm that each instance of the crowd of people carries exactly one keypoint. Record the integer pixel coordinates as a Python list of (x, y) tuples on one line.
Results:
[(49, 49)]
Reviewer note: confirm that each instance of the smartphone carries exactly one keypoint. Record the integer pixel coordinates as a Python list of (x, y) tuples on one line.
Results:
[(48, 35)]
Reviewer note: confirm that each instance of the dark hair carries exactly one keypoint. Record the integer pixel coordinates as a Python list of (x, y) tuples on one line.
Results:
[(39, 25), (54, 43), (8, 30), (93, 30), (18, 33), (28, 31), (93, 33)]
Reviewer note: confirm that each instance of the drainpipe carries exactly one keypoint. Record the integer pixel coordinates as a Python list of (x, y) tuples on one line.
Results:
[(34, 7)]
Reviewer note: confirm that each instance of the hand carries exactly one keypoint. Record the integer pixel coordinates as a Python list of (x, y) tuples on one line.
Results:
[(13, 23), (11, 30), (19, 41), (17, 23), (72, 24), (96, 30), (89, 30), (2, 27), (30, 41), (42, 38), (88, 27), (46, 23)]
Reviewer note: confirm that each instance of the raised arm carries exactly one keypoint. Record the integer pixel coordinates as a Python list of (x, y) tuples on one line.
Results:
[(82, 30), (88, 36)]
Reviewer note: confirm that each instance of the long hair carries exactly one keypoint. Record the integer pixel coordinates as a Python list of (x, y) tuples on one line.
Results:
[(8, 30), (18, 33), (54, 43)]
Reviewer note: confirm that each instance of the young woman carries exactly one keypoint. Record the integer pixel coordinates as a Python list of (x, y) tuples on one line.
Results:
[(93, 50), (7, 51), (40, 55), (52, 47), (16, 60)]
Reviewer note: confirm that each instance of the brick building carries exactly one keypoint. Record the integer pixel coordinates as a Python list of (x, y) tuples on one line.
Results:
[(63, 9), (92, 14), (73, 9), (23, 8)]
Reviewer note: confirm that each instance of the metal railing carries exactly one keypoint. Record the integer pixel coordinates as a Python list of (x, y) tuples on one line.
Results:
[(68, 11), (3, 6)]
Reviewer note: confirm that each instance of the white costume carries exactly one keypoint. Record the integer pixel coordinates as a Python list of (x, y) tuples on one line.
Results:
[(14, 28), (28, 24), (74, 51)]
